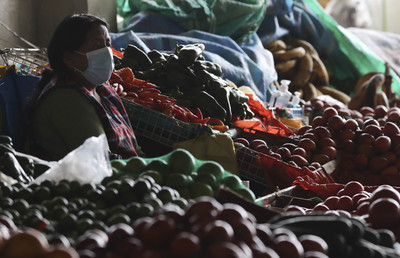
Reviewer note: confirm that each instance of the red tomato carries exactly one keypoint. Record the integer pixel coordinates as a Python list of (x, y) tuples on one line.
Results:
[(384, 212), (345, 203), (352, 188)]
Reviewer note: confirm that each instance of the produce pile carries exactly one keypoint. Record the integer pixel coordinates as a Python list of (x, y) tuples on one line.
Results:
[(178, 206)]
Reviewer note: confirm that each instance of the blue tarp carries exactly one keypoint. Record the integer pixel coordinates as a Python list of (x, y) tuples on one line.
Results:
[(15, 92)]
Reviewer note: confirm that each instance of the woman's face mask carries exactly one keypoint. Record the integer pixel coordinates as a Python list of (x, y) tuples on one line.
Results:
[(100, 65)]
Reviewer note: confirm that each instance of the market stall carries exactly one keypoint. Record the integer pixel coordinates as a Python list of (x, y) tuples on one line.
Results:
[(270, 134)]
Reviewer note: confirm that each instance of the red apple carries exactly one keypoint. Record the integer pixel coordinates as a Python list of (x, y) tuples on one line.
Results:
[(390, 128), (254, 143), (242, 140), (382, 143), (366, 110), (336, 122), (329, 112), (380, 111)]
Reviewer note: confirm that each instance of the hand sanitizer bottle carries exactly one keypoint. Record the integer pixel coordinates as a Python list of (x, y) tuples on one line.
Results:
[(286, 95)]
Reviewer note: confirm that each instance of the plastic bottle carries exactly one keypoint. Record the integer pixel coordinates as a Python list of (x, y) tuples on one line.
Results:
[(295, 99), (275, 95), (285, 96)]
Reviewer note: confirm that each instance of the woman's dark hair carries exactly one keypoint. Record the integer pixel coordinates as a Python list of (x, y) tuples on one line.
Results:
[(69, 35)]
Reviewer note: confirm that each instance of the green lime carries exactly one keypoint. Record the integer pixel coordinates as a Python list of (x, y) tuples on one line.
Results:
[(66, 222), (207, 178), (118, 218), (153, 201), (93, 195), (181, 202), (89, 214), (135, 165), (118, 164), (85, 188), (184, 193), (99, 224), (74, 186), (58, 211), (166, 194), (246, 193), (132, 208), (116, 209), (62, 189), (126, 186), (7, 191), (110, 195), (177, 180), (24, 193), (20, 205), (181, 161), (41, 193), (211, 167), (159, 165), (141, 188), (198, 189), (83, 225), (145, 210), (59, 200), (232, 181), (158, 178)]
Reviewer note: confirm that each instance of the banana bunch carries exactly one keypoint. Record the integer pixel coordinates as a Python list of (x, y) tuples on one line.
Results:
[(373, 89), (298, 61)]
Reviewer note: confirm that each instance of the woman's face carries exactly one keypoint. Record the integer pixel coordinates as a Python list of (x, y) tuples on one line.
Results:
[(98, 37)]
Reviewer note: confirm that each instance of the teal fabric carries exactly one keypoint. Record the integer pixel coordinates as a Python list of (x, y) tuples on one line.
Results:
[(238, 19)]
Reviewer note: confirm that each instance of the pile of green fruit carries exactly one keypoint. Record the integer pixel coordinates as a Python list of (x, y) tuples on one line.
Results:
[(181, 171), (68, 208)]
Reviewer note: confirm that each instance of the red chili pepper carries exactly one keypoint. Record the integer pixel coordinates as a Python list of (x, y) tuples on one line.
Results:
[(163, 104), (132, 94), (215, 121), (148, 94), (168, 111), (179, 113), (117, 53), (198, 113), (149, 103), (221, 128), (200, 121), (126, 74)]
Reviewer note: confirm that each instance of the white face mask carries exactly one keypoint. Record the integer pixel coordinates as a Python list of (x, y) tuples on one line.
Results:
[(100, 65)]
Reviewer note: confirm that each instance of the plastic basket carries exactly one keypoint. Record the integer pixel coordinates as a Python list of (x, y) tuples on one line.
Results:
[(29, 60), (159, 127), (249, 167)]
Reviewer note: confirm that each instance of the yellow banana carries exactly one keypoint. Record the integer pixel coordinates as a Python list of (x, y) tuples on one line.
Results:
[(363, 79), (320, 74), (303, 73), (364, 96), (380, 98), (284, 55), (309, 91), (296, 42), (276, 45), (334, 93), (284, 67)]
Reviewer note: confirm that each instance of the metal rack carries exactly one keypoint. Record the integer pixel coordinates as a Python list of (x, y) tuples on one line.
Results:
[(26, 60)]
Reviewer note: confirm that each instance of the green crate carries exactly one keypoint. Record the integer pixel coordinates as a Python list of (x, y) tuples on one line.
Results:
[(159, 127)]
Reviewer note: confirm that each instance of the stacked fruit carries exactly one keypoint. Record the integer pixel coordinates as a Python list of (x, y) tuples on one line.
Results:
[(344, 236), (374, 89), (206, 228), (70, 208), (181, 171), (29, 242), (298, 61)]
